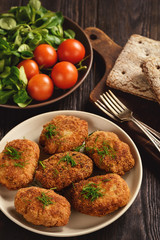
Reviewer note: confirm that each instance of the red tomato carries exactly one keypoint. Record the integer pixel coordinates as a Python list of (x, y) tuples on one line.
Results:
[(30, 67), (71, 50), (64, 75), (40, 87), (45, 55)]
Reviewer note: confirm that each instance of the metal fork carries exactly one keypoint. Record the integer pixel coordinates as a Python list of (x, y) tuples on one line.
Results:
[(115, 109)]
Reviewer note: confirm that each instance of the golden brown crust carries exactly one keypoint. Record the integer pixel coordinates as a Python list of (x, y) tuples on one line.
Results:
[(28, 204), (57, 172), (18, 171), (109, 152), (69, 132), (114, 194)]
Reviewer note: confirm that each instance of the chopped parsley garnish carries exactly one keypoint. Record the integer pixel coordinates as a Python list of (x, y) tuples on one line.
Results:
[(55, 172), (96, 139), (53, 188), (106, 179), (106, 150), (13, 153), (90, 133), (50, 131), (68, 159), (77, 149), (89, 149), (42, 164), (20, 164), (3, 165), (46, 200), (91, 191)]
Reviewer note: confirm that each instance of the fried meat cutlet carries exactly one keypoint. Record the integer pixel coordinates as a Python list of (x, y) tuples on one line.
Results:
[(62, 169), (63, 133), (40, 206), (109, 152), (18, 162), (100, 195)]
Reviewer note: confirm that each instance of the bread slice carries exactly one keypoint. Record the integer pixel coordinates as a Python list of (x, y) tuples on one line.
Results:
[(127, 75), (151, 69)]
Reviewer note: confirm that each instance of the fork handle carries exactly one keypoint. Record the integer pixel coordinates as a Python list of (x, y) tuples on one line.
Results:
[(157, 134), (143, 127)]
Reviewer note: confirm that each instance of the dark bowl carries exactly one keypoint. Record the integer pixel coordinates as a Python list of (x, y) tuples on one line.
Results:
[(58, 94)]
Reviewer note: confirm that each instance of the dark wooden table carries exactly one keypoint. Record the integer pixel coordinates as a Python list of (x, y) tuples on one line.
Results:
[(118, 19)]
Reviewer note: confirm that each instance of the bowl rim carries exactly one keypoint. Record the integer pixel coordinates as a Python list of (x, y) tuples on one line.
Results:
[(50, 101)]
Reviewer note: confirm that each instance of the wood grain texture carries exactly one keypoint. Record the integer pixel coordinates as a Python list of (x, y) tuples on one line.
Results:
[(118, 19), (109, 51)]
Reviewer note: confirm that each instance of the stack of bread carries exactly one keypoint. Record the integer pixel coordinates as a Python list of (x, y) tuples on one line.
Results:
[(137, 68)]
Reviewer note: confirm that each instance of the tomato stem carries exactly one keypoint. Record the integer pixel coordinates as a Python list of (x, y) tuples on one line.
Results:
[(80, 65), (81, 68)]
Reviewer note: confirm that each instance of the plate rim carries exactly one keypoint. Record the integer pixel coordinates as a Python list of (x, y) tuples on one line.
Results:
[(100, 225)]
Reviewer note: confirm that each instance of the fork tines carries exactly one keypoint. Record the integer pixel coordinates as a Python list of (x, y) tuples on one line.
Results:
[(110, 104), (101, 106), (115, 109)]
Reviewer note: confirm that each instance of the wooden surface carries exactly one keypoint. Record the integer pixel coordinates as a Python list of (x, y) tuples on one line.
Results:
[(109, 52), (118, 19)]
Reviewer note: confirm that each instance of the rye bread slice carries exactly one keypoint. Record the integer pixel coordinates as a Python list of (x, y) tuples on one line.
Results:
[(127, 75), (151, 69)]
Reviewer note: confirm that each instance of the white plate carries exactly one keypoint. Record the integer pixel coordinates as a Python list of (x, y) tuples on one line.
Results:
[(79, 224)]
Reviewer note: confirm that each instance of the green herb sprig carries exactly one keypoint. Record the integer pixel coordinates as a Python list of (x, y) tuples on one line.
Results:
[(79, 148), (68, 159), (92, 191), (55, 172), (45, 200), (106, 180), (42, 164), (20, 164), (12, 153), (106, 150), (50, 131)]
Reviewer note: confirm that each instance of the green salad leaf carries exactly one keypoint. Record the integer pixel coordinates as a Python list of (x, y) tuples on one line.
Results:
[(7, 23), (14, 84), (36, 4), (22, 29)]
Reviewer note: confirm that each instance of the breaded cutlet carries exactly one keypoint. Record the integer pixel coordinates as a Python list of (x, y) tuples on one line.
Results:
[(109, 153), (100, 195), (18, 162), (40, 206), (62, 169), (63, 133)]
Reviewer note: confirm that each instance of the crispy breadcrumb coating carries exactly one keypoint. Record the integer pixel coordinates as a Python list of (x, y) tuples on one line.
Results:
[(18, 162), (109, 152), (62, 169), (63, 133), (100, 195), (40, 206)]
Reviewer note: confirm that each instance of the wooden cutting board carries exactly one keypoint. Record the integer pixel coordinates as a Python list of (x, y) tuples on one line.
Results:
[(144, 110)]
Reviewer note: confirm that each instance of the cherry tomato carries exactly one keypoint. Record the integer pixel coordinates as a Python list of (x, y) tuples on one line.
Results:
[(40, 87), (45, 55), (30, 67), (71, 50), (64, 75)]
